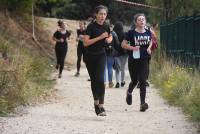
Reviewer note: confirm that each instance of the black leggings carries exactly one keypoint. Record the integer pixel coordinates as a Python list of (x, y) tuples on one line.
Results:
[(138, 70), (148, 68), (80, 52), (61, 51), (95, 65)]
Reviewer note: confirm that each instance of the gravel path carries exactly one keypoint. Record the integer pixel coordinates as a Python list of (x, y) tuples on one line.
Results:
[(73, 113)]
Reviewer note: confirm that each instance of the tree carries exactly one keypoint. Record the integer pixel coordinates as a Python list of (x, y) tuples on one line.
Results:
[(79, 9), (176, 8), (16, 5)]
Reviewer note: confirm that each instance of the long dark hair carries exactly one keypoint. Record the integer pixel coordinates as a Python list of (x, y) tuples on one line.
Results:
[(119, 30), (98, 8), (60, 23)]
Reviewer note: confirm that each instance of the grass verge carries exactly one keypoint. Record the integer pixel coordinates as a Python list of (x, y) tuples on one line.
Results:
[(180, 86), (24, 76)]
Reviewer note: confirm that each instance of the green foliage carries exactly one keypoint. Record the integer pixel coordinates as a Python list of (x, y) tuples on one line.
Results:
[(178, 85), (192, 100), (79, 9), (174, 9), (3, 106), (4, 47), (51, 8), (125, 13), (23, 78), (17, 5)]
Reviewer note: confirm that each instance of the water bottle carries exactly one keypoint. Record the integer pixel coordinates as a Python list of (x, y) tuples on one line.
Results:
[(136, 53)]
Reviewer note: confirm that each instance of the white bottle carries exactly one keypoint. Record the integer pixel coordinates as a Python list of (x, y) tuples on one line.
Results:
[(136, 53)]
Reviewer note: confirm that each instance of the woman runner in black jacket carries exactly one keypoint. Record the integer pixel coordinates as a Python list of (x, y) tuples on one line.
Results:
[(97, 36)]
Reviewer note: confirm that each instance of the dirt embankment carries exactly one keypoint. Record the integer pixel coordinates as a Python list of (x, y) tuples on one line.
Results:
[(18, 31)]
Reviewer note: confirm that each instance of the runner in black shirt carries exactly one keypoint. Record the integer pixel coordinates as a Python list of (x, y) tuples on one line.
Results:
[(80, 47), (97, 36), (61, 36), (139, 54)]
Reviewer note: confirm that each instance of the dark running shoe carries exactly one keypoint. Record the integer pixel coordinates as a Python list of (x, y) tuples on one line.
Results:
[(128, 98), (59, 76), (117, 85), (144, 107), (103, 111), (57, 66), (77, 74), (100, 111), (97, 109), (123, 83)]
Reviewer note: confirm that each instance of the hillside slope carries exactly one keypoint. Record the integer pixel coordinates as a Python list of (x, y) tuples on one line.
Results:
[(19, 32)]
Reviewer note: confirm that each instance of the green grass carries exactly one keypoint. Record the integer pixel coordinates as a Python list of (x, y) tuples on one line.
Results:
[(23, 78), (180, 86)]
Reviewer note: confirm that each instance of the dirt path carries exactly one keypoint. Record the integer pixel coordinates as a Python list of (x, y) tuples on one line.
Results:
[(74, 113)]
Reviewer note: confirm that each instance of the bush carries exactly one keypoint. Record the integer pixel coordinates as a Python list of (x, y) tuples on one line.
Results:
[(192, 100), (178, 85), (17, 5), (23, 79)]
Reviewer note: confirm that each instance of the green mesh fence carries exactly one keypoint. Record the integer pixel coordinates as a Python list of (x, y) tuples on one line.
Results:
[(181, 39)]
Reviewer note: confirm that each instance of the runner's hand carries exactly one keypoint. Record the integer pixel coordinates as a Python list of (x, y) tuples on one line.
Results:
[(136, 48), (61, 40), (104, 35), (149, 51)]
